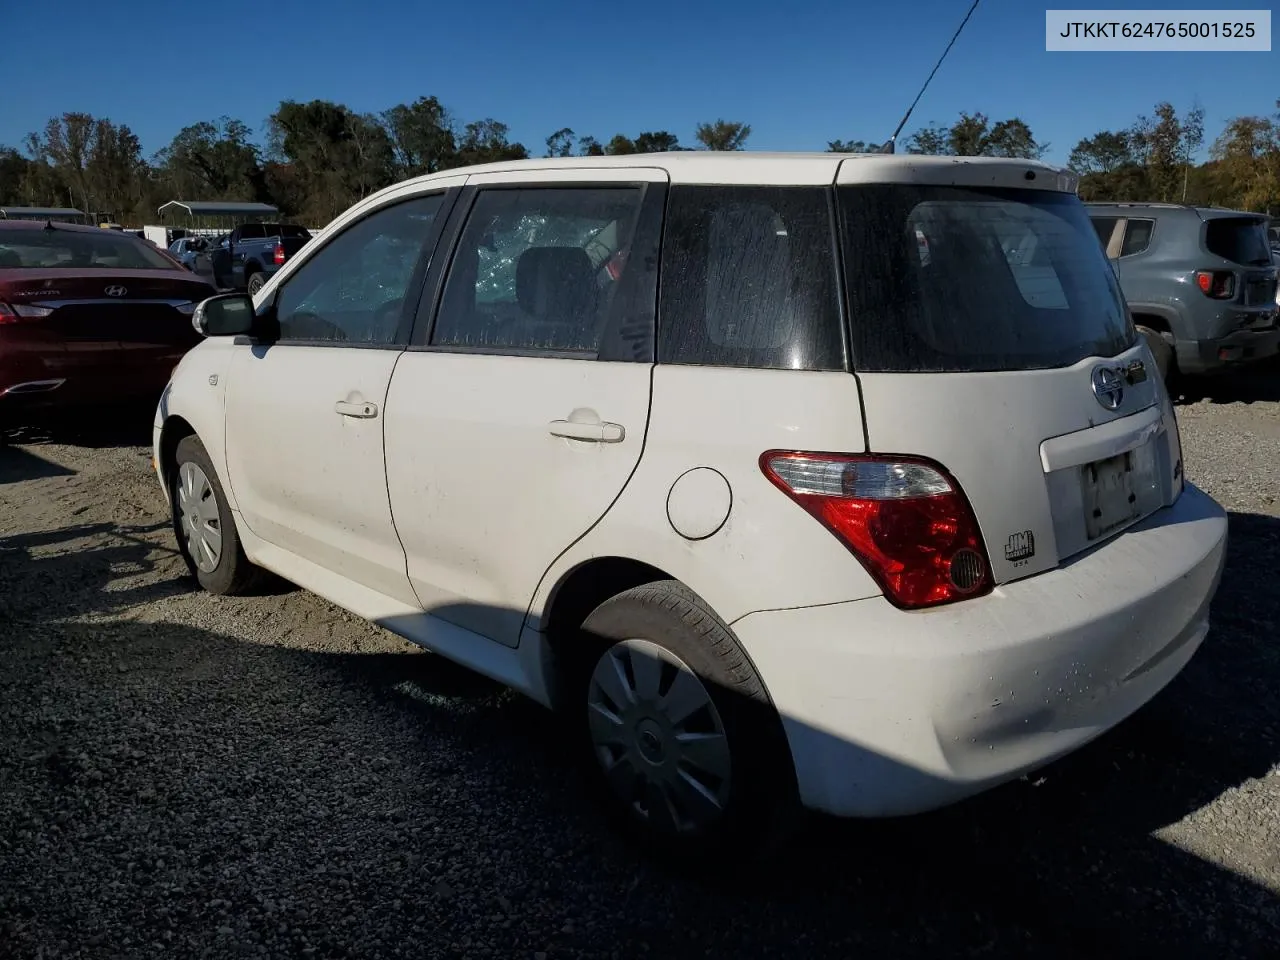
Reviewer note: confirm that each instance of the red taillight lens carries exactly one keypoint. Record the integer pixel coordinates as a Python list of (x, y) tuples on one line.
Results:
[(1219, 284), (903, 517), (278, 256), (22, 312)]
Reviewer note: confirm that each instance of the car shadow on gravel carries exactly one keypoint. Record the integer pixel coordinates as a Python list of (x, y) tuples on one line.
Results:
[(1254, 383), (106, 426), (17, 465), (171, 791)]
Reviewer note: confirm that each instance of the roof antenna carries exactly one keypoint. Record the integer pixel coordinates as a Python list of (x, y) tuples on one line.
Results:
[(48, 224), (888, 146)]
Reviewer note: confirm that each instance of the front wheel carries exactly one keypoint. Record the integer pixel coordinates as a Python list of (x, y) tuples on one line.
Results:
[(686, 749), (206, 533)]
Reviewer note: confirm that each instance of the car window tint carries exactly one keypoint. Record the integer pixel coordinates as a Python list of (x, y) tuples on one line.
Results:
[(951, 279), (1104, 227), (79, 249), (353, 289), (1241, 240), (538, 268), (1137, 237), (749, 279)]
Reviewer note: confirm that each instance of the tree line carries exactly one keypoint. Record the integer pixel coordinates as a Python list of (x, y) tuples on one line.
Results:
[(315, 159)]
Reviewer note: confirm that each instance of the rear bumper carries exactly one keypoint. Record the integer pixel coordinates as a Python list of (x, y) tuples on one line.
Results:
[(890, 712), (1242, 346)]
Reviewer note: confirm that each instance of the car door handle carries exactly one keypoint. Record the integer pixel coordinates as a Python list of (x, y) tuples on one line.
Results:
[(593, 432), (361, 409)]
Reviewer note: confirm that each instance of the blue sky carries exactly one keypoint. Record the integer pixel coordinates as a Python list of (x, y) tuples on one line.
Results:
[(800, 72)]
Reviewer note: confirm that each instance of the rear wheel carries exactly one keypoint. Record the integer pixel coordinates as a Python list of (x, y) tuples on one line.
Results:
[(686, 750), (1161, 346), (206, 533), (254, 283)]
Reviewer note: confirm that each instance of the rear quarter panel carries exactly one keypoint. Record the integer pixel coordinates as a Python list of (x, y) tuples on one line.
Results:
[(768, 553)]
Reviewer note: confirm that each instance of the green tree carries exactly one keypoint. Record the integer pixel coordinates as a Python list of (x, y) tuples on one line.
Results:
[(658, 141), (211, 161), (1104, 152), (422, 137), (485, 141), (589, 147), (560, 143), (852, 146), (98, 161), (930, 140), (723, 135)]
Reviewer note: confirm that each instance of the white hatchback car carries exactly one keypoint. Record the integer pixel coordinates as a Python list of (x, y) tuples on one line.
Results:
[(798, 480)]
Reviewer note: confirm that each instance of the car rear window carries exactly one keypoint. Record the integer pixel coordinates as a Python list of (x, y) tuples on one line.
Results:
[(73, 249), (1241, 240), (950, 279)]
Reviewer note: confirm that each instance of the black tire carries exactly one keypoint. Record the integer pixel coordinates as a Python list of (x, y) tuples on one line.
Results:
[(233, 573), (1161, 346), (762, 803), (255, 283)]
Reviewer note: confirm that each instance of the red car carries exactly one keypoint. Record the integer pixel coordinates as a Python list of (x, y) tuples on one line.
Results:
[(88, 317)]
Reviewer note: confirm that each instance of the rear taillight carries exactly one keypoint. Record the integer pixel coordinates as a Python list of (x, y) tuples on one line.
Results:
[(22, 312), (1218, 284), (907, 522), (278, 255)]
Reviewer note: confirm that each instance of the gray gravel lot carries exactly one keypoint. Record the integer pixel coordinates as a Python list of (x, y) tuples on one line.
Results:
[(184, 776)]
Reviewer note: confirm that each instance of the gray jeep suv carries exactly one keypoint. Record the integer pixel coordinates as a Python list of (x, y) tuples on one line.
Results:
[(1200, 282)]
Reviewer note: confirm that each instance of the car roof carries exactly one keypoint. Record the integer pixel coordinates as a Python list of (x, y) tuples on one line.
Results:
[(758, 167), (41, 224), (1153, 208)]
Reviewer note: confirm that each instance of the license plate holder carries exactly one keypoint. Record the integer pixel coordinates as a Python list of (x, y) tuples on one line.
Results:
[(1110, 500)]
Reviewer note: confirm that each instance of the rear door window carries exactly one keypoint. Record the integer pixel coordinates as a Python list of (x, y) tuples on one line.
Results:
[(749, 279), (1137, 237), (1104, 226), (949, 279), (1241, 240)]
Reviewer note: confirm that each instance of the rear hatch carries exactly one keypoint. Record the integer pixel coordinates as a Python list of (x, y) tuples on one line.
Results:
[(1240, 242), (989, 335)]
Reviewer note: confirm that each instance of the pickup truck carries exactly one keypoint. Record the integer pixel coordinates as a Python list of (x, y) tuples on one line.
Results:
[(249, 254)]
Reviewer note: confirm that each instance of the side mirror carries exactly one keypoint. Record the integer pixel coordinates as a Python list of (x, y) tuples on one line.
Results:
[(226, 315)]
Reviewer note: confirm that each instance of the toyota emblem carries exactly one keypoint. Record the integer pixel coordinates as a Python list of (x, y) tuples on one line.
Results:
[(1108, 387), (115, 290)]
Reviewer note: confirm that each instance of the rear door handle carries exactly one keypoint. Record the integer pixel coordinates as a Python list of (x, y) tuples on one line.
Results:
[(361, 409), (593, 432)]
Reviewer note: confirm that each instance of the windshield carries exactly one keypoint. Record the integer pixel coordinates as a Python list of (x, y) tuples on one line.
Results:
[(76, 249), (966, 279), (1241, 240)]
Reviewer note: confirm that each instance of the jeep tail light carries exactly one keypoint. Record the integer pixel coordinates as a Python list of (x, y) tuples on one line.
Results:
[(22, 312), (1219, 284), (278, 254), (907, 521)]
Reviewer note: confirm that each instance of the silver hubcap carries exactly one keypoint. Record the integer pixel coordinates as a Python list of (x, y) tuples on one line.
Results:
[(658, 737), (198, 516)]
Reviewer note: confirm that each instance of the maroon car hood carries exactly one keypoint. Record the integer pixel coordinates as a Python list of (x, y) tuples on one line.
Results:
[(35, 284)]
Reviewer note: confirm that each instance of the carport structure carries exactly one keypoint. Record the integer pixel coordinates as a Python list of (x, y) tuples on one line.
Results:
[(65, 214), (216, 213)]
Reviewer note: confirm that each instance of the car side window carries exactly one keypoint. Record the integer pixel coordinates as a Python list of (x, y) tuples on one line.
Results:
[(251, 231), (353, 289), (1104, 227), (538, 269), (749, 279), (1137, 236)]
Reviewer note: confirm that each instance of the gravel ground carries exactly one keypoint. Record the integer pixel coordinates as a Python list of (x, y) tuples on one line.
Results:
[(184, 776)]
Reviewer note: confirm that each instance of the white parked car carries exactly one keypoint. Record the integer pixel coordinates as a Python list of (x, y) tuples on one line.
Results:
[(840, 482)]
